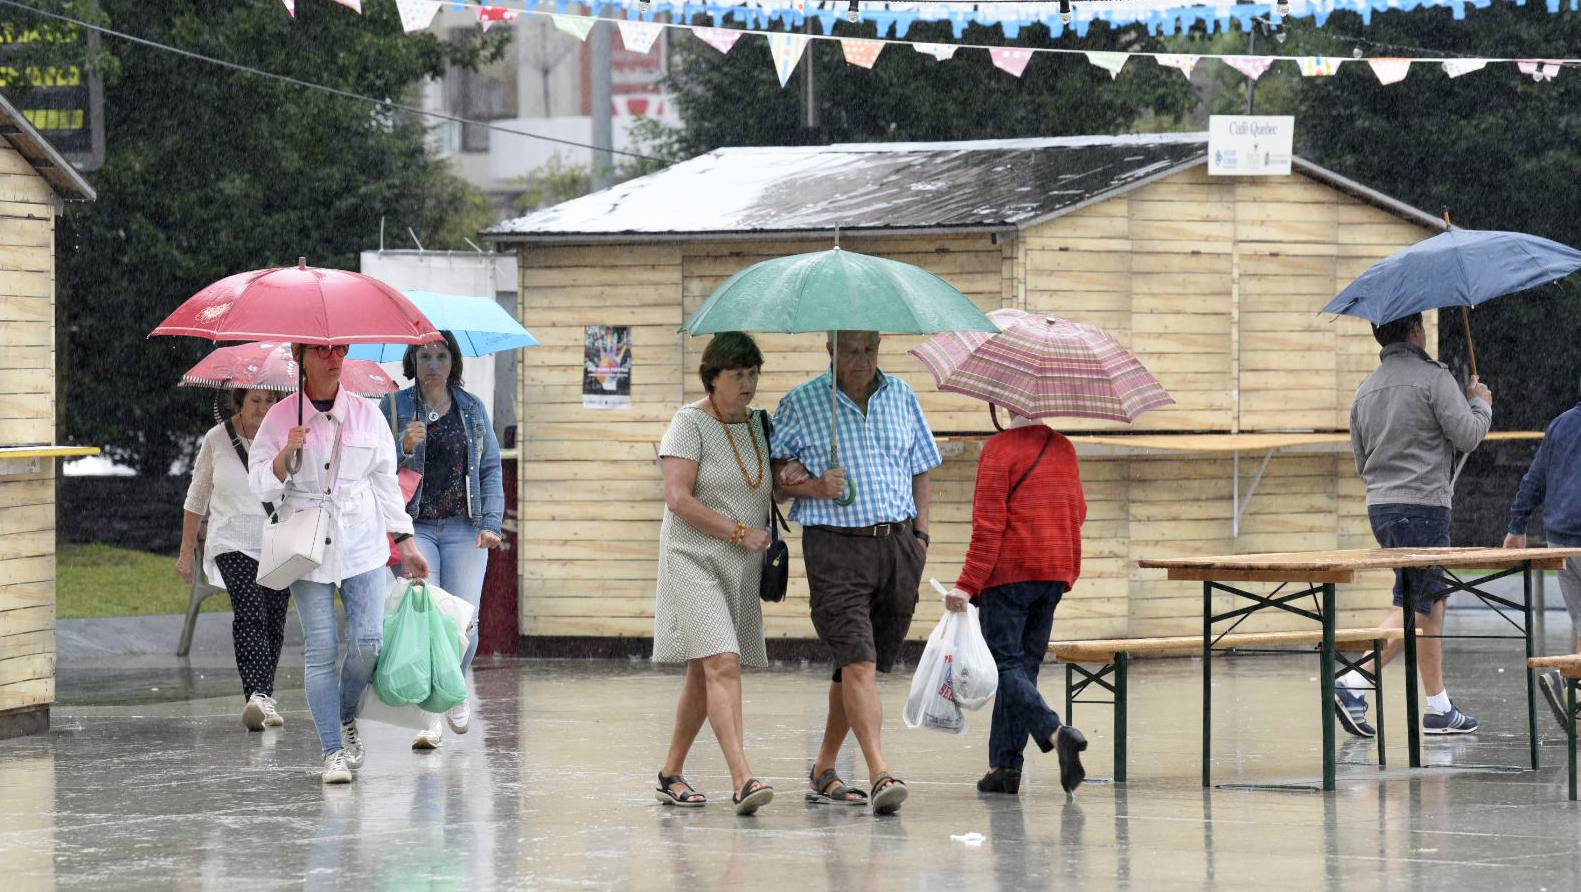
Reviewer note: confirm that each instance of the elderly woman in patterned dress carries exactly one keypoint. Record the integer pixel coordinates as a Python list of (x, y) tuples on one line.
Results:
[(717, 489)]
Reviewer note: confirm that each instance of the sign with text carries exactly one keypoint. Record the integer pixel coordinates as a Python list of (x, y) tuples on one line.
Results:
[(1250, 145)]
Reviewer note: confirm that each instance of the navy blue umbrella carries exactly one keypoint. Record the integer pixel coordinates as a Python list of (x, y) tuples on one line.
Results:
[(1458, 268)]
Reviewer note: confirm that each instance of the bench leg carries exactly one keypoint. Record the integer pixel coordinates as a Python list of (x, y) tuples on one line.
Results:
[(1122, 661), (1377, 694), (200, 592), (1070, 693), (1207, 684), (1570, 703), (1531, 675), (1327, 685)]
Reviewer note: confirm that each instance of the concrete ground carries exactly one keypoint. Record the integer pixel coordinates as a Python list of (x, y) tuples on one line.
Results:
[(140, 788)]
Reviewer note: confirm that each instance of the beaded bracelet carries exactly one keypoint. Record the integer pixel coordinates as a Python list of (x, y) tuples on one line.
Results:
[(739, 534)]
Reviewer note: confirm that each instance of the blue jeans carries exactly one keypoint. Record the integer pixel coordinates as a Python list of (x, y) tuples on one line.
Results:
[(332, 697), (455, 564), (1017, 620), (1412, 526)]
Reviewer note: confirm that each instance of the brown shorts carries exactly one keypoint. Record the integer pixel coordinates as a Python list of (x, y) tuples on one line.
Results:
[(864, 591)]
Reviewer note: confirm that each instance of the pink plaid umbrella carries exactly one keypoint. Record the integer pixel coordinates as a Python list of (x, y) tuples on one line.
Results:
[(269, 366), (1043, 366)]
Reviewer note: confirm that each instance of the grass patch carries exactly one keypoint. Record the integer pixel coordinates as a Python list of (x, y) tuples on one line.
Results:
[(102, 580)]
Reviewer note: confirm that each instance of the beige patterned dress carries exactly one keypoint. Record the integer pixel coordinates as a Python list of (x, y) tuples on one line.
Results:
[(708, 587)]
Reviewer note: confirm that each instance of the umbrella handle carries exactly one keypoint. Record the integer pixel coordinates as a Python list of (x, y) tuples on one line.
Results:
[(850, 496), (1471, 349)]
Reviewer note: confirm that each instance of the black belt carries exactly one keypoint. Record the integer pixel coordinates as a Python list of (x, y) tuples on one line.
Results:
[(876, 531)]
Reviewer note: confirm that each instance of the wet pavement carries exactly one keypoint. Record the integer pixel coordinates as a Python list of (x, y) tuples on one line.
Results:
[(140, 788)]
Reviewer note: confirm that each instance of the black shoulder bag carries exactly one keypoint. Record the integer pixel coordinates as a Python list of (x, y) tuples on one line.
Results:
[(776, 560)]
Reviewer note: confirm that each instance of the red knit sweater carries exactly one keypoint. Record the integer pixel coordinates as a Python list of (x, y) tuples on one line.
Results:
[(1037, 535)]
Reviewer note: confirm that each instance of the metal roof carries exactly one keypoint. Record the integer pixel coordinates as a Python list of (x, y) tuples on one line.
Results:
[(50, 164), (883, 189)]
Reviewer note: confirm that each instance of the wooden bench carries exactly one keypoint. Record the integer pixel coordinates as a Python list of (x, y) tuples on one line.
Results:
[(1112, 657), (1569, 666)]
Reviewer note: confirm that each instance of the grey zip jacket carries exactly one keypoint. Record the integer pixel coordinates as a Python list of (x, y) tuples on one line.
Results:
[(1408, 420)]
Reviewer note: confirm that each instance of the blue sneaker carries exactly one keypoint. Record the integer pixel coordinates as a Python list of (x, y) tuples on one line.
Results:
[(1351, 708), (1452, 722)]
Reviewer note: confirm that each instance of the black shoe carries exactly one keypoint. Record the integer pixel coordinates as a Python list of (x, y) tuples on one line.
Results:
[(1068, 745), (1001, 780), (1552, 684)]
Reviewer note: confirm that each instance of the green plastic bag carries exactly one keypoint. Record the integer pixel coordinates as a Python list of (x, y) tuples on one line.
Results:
[(448, 685), (405, 672)]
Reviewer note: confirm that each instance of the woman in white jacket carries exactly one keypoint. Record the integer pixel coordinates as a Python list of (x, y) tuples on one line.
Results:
[(357, 483)]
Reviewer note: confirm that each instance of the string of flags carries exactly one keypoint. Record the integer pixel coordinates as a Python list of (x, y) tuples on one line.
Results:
[(786, 48)]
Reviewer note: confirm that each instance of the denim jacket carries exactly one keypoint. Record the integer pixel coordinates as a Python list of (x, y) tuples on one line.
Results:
[(485, 491)]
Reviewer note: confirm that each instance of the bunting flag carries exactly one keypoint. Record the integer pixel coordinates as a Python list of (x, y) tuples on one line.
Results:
[(417, 14), (1390, 71), (1539, 69), (638, 37), (1011, 59), (860, 51), (786, 48), (290, 6), (355, 5), (721, 39), (1458, 67), (1110, 62), (488, 15), (578, 26), (1251, 66), (940, 51), (1185, 63), (1318, 66)]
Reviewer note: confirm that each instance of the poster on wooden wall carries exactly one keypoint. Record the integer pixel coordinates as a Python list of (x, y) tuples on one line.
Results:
[(606, 367)]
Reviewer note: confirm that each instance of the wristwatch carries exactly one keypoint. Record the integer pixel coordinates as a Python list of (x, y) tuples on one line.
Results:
[(401, 537), (923, 536)]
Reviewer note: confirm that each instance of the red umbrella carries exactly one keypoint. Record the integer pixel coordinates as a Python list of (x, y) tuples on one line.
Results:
[(269, 366), (303, 305)]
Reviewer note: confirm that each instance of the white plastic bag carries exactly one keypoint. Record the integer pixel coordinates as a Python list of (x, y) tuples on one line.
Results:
[(370, 707), (931, 703)]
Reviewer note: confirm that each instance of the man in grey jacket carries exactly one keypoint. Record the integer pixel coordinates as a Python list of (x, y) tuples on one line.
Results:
[(1408, 421)]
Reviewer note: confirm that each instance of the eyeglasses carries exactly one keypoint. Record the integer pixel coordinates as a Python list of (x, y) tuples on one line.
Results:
[(325, 351)]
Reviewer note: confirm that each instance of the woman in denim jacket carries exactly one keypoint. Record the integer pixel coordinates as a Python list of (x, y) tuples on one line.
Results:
[(444, 434)]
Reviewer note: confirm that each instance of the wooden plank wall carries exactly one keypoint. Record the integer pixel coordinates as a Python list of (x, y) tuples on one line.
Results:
[(1213, 283), (27, 418)]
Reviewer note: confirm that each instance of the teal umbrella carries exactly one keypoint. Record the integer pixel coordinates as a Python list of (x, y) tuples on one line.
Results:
[(837, 291)]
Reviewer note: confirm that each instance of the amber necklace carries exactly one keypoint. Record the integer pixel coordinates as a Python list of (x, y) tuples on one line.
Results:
[(752, 432)]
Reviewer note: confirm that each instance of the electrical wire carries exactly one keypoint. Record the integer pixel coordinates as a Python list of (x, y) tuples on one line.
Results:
[(298, 82)]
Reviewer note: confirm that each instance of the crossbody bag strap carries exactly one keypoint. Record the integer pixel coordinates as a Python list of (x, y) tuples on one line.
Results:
[(333, 471), (775, 517), (241, 453), (1046, 444)]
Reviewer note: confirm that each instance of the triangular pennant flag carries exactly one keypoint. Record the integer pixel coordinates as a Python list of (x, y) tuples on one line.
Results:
[(1186, 63), (786, 49), (1251, 66), (351, 4), (1110, 62), (417, 14), (721, 39), (1009, 58), (1539, 70), (578, 26), (940, 51), (638, 37), (1318, 66), (1458, 67), (1390, 71), (290, 6), (860, 51)]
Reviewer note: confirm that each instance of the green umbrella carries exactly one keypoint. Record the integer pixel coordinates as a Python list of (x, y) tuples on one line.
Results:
[(837, 291)]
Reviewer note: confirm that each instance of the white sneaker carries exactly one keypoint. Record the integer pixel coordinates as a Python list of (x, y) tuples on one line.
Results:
[(272, 716), (253, 713), (459, 717), (336, 771), (353, 743), (431, 737)]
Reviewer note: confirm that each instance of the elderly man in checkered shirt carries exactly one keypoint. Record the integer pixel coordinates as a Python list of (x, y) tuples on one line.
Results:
[(864, 560)]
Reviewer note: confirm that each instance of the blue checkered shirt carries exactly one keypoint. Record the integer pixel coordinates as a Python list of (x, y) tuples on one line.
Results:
[(881, 451)]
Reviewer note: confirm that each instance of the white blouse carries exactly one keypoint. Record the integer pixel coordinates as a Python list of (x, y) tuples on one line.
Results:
[(365, 499), (219, 489)]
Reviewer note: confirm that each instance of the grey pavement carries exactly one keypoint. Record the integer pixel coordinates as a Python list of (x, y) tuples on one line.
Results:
[(552, 789)]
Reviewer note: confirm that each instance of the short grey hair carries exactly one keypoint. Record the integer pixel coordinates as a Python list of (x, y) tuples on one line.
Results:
[(828, 337)]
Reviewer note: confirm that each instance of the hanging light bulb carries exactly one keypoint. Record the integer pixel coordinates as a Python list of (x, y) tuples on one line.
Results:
[(1065, 15), (1280, 35), (853, 13), (1282, 7), (643, 6)]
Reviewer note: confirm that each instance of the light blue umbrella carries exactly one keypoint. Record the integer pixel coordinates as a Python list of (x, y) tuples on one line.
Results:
[(480, 325)]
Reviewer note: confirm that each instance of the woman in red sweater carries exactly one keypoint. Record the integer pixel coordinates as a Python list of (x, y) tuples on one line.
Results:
[(1025, 555)]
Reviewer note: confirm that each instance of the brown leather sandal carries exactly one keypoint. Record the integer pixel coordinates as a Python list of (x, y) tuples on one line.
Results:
[(889, 792), (829, 789)]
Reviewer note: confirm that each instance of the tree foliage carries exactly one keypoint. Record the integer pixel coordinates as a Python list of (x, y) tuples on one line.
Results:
[(211, 171)]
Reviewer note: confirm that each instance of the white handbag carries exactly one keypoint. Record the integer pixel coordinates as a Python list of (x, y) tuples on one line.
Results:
[(294, 545)]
